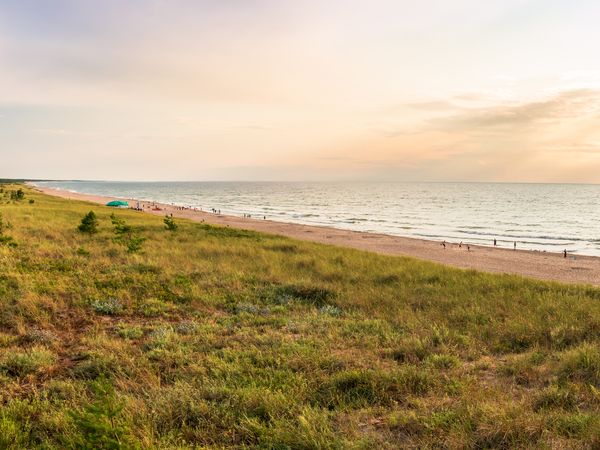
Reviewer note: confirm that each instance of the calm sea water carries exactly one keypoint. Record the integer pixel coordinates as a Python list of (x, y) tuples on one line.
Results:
[(548, 217)]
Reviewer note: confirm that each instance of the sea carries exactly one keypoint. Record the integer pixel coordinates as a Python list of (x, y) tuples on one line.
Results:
[(544, 217)]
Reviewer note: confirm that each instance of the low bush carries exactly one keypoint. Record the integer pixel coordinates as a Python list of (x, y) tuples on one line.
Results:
[(89, 223)]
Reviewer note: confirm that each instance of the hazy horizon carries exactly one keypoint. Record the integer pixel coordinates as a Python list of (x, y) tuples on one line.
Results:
[(175, 90), (274, 181)]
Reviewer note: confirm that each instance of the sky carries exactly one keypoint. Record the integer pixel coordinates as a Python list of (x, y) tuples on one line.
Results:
[(434, 90)]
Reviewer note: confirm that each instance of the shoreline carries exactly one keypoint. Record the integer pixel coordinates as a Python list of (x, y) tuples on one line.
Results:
[(528, 263)]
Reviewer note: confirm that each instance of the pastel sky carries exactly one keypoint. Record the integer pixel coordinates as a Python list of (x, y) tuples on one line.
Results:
[(498, 90)]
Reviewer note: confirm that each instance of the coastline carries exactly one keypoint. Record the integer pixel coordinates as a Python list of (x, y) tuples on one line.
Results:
[(528, 263)]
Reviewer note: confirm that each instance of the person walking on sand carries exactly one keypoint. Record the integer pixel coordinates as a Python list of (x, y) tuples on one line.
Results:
[(444, 245), (565, 253), (515, 245), (495, 242)]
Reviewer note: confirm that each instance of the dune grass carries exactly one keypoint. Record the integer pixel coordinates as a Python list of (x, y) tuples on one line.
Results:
[(215, 337)]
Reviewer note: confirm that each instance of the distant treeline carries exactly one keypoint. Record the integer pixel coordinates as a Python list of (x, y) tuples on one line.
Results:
[(19, 180)]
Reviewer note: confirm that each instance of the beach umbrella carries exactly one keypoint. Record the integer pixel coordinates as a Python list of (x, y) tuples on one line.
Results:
[(118, 204)]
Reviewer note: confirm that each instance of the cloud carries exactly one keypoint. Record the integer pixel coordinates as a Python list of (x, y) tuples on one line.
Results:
[(516, 117)]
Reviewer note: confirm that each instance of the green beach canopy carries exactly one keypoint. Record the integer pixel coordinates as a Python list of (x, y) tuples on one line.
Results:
[(117, 203)]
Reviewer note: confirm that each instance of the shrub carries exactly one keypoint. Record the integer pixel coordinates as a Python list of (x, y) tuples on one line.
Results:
[(170, 223), (17, 195), (126, 235), (108, 306), (89, 223), (121, 228), (134, 243)]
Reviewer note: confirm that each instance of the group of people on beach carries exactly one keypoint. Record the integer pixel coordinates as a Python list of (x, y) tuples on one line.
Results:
[(154, 207), (495, 242)]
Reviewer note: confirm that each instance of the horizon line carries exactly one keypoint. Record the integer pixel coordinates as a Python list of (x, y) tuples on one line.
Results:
[(297, 181)]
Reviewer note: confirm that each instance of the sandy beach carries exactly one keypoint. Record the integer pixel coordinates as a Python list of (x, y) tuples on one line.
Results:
[(535, 264)]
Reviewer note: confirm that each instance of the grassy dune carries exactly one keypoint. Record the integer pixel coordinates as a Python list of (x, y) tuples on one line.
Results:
[(215, 337)]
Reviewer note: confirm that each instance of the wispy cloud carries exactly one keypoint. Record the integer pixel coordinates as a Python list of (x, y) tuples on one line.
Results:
[(564, 106)]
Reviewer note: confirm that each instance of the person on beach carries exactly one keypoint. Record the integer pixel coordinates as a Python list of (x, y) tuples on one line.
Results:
[(444, 244), (495, 242), (565, 253), (515, 245), (468, 248), (460, 244)]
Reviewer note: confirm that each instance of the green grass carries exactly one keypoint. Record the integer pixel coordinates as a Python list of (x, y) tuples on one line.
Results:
[(214, 337)]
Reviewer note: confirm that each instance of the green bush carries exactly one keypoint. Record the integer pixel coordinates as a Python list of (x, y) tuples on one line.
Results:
[(108, 306), (121, 228), (126, 235), (89, 223), (170, 223), (17, 195)]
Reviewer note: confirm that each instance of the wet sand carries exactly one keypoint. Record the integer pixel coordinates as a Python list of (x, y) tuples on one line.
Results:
[(535, 264)]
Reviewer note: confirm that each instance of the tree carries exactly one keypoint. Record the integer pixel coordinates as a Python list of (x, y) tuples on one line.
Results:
[(89, 223), (170, 223)]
